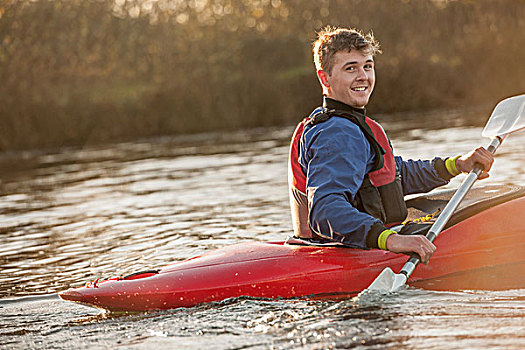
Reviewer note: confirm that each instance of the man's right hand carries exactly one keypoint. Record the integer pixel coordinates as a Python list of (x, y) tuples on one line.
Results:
[(411, 244)]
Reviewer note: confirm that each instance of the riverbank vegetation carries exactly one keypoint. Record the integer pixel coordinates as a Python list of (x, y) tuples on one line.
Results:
[(75, 72)]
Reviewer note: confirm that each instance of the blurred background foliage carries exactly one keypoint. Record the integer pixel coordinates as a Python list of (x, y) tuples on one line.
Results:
[(75, 72)]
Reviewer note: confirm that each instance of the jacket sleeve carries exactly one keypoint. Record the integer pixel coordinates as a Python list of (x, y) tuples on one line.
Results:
[(420, 176), (336, 156)]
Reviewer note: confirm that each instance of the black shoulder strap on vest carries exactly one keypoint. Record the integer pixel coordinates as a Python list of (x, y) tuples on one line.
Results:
[(319, 117), (359, 120)]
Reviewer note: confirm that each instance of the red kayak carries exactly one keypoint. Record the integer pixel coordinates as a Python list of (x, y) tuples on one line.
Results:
[(482, 247)]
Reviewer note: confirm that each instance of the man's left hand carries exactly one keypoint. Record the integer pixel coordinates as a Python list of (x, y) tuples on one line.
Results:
[(480, 155)]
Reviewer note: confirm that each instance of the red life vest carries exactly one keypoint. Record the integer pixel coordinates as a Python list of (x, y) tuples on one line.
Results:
[(381, 193), (297, 178)]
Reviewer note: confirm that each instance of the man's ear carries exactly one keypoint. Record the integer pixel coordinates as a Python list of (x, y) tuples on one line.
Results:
[(323, 78)]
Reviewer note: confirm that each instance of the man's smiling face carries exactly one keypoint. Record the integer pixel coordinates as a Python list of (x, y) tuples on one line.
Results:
[(352, 78)]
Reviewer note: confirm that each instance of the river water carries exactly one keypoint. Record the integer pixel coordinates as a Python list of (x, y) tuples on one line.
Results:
[(74, 215)]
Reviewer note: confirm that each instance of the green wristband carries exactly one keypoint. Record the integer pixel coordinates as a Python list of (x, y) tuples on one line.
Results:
[(450, 164), (381, 240)]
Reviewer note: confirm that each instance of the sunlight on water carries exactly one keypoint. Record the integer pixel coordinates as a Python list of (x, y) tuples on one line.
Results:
[(71, 217), (412, 318)]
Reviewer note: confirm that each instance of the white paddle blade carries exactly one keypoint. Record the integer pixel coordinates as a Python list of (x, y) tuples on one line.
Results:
[(400, 281), (508, 116), (388, 281), (384, 281)]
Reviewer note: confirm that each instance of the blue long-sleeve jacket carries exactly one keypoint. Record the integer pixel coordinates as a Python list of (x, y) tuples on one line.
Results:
[(335, 156)]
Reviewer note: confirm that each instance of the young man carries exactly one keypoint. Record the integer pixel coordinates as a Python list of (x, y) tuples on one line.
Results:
[(345, 182)]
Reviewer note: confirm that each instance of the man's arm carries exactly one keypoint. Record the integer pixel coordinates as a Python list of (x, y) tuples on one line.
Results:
[(420, 176)]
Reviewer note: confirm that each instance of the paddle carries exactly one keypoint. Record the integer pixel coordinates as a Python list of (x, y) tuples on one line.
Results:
[(508, 117)]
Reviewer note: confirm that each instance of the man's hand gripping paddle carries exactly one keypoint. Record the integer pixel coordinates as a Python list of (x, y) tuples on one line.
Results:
[(508, 117)]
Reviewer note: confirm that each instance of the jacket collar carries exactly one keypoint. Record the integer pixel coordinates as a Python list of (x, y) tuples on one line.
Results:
[(330, 103)]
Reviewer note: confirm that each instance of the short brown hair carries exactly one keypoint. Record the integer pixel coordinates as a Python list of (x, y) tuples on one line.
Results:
[(331, 40)]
